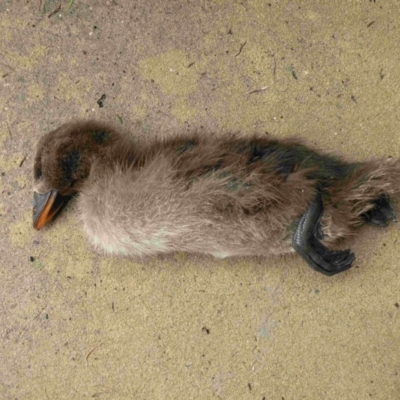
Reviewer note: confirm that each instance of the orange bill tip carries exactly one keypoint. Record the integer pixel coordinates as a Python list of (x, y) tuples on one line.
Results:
[(45, 206)]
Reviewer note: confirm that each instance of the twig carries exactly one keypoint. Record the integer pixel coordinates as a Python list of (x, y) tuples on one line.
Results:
[(241, 48), (22, 161), (274, 68), (6, 65), (9, 131), (55, 11), (258, 90), (91, 351)]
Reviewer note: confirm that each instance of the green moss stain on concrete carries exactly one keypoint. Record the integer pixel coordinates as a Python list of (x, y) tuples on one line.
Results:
[(69, 90), (6, 27), (4, 134), (20, 231), (69, 252), (240, 64), (62, 249), (171, 71), (21, 181), (23, 62), (36, 91), (182, 111), (139, 111), (146, 101), (12, 162), (177, 74)]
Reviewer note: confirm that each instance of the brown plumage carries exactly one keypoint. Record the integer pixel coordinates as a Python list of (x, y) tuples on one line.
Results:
[(221, 196)]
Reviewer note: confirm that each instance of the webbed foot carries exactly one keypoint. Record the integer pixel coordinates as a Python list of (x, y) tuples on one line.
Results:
[(317, 256), (382, 212)]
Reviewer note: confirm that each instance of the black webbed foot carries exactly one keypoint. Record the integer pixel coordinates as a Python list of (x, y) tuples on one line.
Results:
[(382, 213), (305, 242)]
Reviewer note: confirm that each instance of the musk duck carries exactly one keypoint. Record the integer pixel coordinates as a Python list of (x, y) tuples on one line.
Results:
[(224, 196)]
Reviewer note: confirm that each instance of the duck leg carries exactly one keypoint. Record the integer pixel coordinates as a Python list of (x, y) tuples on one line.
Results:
[(382, 213), (317, 256)]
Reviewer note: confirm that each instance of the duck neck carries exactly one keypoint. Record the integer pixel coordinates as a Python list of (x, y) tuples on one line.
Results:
[(116, 150)]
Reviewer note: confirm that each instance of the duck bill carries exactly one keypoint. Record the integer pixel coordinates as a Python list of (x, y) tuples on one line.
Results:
[(46, 206)]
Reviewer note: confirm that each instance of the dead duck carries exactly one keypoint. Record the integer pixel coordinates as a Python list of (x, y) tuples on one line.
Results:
[(227, 196)]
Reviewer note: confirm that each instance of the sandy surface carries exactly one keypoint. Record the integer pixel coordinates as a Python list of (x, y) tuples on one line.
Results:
[(77, 325)]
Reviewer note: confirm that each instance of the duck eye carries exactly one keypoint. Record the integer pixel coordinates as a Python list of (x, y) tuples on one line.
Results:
[(39, 173)]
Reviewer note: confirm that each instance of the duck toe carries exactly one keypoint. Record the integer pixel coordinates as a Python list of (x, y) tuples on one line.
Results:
[(340, 260), (328, 262), (381, 214)]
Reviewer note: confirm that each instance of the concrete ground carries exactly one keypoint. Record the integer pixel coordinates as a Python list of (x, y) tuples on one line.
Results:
[(77, 325)]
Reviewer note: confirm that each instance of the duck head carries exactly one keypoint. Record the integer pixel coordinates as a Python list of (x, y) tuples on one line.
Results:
[(63, 162)]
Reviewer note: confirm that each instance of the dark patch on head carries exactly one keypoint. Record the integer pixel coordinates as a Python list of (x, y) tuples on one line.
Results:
[(69, 165), (101, 136)]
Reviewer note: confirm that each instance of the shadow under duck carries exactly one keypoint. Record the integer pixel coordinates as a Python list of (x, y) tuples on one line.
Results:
[(227, 196)]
